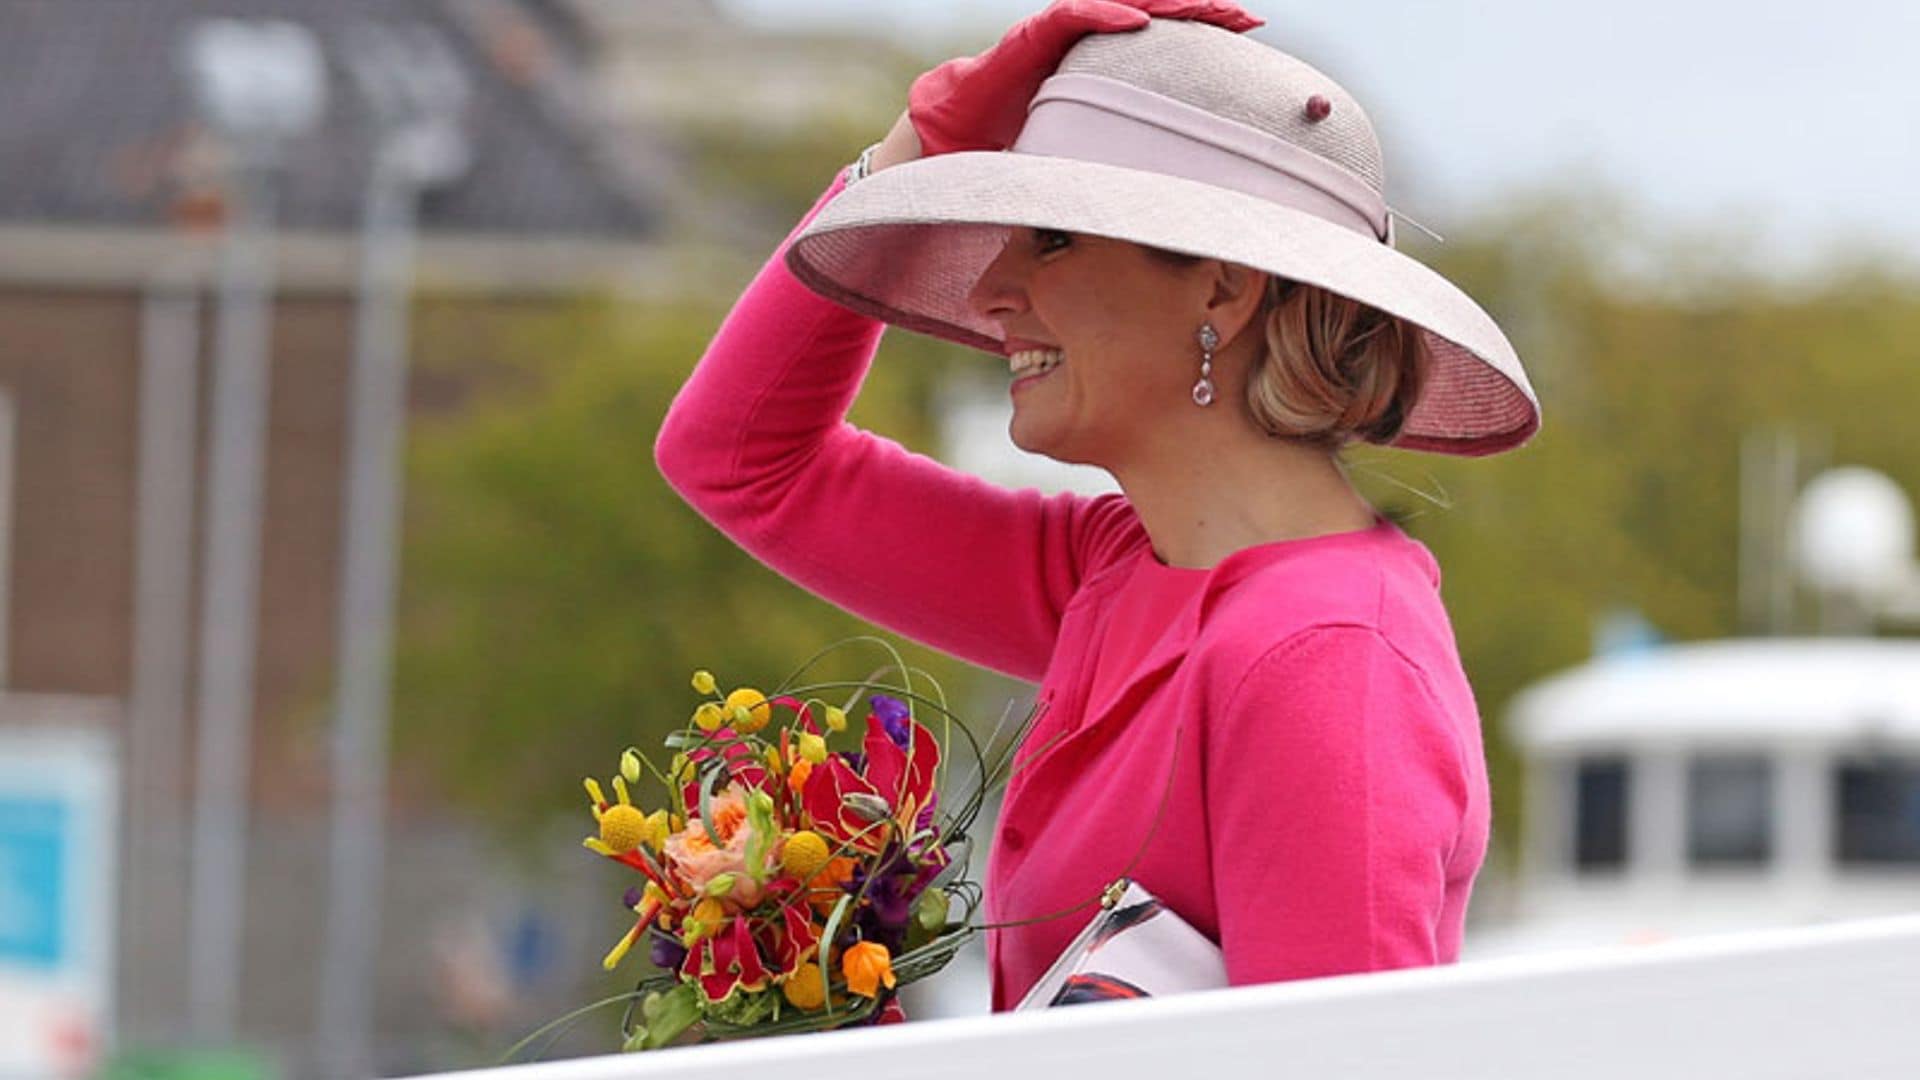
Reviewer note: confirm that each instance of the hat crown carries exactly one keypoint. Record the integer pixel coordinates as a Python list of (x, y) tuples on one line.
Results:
[(1237, 78)]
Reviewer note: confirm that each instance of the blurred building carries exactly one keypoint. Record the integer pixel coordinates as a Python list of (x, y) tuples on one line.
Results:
[(112, 207), (1681, 789), (683, 62)]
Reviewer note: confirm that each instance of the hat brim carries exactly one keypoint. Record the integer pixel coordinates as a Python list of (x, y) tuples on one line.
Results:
[(907, 244)]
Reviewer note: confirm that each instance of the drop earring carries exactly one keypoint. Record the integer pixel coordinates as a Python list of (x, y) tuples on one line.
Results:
[(1209, 341)]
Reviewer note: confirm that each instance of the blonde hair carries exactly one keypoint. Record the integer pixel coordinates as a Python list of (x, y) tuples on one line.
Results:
[(1334, 370)]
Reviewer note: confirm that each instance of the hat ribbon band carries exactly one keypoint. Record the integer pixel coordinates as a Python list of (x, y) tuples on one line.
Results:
[(1108, 122)]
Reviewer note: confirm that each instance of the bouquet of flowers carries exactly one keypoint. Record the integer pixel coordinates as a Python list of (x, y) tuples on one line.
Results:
[(789, 881)]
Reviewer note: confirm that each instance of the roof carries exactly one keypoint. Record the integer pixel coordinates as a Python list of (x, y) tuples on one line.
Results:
[(98, 127), (1750, 692)]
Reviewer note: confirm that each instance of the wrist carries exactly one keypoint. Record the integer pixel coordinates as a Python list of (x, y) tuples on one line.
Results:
[(901, 144)]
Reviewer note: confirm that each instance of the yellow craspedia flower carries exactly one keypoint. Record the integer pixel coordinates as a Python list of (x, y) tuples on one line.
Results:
[(813, 748), (866, 966), (836, 719), (624, 828), (806, 988), (708, 717), (703, 681), (804, 854), (749, 709)]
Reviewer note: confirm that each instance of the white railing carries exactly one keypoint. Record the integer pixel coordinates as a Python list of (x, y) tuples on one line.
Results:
[(1841, 1000)]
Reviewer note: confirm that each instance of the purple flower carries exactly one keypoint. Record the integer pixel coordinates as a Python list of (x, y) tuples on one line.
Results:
[(892, 902), (632, 898), (883, 919), (892, 714), (666, 953)]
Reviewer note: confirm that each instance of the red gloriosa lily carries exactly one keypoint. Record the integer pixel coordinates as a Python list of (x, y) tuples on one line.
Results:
[(726, 962), (903, 777)]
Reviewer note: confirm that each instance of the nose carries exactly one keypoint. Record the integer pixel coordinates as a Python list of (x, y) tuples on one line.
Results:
[(1000, 290)]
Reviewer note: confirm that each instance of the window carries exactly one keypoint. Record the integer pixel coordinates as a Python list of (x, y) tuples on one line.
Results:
[(1879, 818), (1729, 810), (1600, 814)]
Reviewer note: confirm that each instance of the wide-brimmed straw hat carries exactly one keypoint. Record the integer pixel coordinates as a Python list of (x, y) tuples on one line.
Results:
[(1193, 139)]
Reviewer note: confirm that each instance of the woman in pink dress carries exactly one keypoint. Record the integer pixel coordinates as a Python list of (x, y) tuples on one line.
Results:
[(1176, 239)]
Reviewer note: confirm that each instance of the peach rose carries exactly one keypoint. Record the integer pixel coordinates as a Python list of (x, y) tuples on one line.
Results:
[(698, 861)]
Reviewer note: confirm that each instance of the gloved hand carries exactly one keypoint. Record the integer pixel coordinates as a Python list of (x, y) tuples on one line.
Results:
[(980, 102)]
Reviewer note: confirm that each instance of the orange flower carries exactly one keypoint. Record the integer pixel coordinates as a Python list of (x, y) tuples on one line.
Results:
[(797, 778), (825, 888), (729, 813), (866, 966)]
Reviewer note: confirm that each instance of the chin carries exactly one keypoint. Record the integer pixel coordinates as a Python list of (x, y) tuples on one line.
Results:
[(1024, 439), (1039, 443), (1033, 442)]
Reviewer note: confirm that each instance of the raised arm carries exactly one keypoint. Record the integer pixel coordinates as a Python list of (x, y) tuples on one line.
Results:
[(757, 442)]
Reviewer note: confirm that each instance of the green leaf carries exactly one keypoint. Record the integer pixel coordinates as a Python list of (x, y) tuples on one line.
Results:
[(714, 768), (827, 936), (930, 911)]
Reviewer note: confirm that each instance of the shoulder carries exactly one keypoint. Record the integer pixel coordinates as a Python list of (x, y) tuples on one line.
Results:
[(1265, 596), (1326, 616), (1324, 660)]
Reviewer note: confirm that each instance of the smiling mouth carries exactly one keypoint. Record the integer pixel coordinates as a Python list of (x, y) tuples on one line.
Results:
[(1025, 362)]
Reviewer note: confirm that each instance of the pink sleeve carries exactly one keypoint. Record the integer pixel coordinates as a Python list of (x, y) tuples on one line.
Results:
[(1335, 795), (758, 443)]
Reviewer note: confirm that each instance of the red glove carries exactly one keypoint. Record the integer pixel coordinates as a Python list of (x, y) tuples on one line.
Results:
[(980, 102)]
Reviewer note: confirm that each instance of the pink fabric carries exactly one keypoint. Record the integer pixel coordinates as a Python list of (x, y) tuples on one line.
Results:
[(1153, 596), (1326, 809), (1091, 118)]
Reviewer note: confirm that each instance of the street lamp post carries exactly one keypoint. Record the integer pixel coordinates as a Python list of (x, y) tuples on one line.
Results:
[(417, 94), (258, 84)]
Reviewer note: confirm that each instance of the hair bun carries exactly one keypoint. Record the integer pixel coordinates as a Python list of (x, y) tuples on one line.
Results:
[(1334, 370)]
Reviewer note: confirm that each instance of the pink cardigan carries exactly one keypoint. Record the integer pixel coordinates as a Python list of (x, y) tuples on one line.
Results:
[(1328, 806)]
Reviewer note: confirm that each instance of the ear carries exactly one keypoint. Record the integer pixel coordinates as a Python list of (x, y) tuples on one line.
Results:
[(1236, 298)]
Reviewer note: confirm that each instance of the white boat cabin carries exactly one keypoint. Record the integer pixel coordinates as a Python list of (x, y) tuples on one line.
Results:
[(1717, 786)]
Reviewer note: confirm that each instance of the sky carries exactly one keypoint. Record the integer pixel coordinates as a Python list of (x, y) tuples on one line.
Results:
[(1791, 128)]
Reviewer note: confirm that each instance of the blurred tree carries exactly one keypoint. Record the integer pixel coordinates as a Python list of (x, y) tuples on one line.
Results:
[(779, 174), (557, 595), (778, 171), (1629, 496)]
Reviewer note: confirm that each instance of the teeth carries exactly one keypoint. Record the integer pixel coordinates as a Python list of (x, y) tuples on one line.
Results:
[(1034, 361)]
